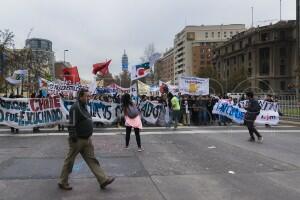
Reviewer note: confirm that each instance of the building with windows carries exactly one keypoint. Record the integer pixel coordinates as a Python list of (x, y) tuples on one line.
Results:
[(164, 67), (193, 46), (42, 52), (267, 54)]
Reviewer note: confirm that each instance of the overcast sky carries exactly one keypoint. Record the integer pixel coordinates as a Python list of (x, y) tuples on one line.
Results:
[(95, 30)]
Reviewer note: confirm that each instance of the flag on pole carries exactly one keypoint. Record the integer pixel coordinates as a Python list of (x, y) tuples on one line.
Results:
[(140, 71), (71, 74), (17, 77), (101, 67), (43, 83)]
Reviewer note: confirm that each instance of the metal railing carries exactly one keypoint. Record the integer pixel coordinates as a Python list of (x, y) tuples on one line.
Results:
[(289, 107)]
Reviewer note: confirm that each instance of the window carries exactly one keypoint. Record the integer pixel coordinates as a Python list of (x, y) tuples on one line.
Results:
[(241, 44), (264, 85), (227, 62), (249, 56), (225, 34), (249, 40), (282, 85), (206, 34), (219, 34), (190, 36), (282, 52), (231, 33), (232, 47), (264, 37), (264, 61), (282, 35), (242, 58), (212, 34), (249, 71), (282, 70)]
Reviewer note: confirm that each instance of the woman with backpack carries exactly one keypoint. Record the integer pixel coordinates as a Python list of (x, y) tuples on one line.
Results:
[(132, 120)]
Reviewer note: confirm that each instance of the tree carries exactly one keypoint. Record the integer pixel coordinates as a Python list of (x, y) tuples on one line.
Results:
[(238, 81), (107, 79), (123, 79), (6, 42), (215, 83), (148, 52)]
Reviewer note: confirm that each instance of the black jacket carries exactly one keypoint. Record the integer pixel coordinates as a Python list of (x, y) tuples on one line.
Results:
[(253, 109), (80, 121)]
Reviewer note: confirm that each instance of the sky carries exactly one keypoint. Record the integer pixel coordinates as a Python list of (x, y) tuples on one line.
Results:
[(96, 30)]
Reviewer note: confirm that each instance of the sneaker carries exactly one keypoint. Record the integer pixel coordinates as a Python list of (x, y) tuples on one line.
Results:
[(126, 147), (140, 149), (260, 139), (251, 139), (107, 182), (64, 186)]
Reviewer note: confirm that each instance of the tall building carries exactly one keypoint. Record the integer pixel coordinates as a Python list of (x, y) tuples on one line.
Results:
[(164, 67), (267, 54), (124, 62), (195, 41), (42, 51)]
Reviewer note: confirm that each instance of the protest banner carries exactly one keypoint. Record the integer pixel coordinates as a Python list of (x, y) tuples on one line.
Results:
[(57, 87), (150, 111), (106, 113), (268, 113), (143, 89), (31, 112), (194, 86)]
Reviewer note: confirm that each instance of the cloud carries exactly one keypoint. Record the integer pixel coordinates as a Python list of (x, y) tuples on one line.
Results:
[(96, 30)]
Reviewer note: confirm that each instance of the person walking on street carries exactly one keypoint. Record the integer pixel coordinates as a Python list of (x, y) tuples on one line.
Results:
[(132, 120), (80, 132), (253, 109)]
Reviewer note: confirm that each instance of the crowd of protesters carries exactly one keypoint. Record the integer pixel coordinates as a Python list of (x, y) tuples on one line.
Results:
[(177, 109)]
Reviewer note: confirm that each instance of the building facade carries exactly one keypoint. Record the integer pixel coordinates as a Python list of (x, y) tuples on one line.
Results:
[(266, 54), (42, 51), (194, 41), (164, 67)]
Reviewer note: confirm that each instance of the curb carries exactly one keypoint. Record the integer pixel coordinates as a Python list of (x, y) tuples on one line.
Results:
[(290, 122)]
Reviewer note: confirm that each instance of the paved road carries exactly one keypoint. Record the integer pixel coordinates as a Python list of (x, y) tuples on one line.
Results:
[(194, 163)]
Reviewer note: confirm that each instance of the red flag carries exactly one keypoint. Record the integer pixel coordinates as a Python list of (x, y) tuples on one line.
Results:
[(71, 74), (101, 67)]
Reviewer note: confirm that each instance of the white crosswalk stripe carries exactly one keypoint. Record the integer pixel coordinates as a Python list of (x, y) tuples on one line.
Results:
[(144, 132)]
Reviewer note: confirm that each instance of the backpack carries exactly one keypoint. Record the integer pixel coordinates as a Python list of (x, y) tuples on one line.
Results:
[(132, 111), (256, 107)]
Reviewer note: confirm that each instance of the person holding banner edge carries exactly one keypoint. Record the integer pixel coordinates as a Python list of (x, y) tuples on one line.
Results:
[(253, 109)]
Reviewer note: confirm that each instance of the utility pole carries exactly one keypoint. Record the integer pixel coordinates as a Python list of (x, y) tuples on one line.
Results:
[(297, 47), (252, 24), (280, 10)]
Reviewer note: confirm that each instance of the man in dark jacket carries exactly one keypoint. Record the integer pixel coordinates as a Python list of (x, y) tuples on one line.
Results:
[(253, 109), (80, 131)]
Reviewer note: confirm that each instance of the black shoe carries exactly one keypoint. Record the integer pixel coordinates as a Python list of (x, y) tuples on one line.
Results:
[(64, 186), (107, 182), (251, 139)]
